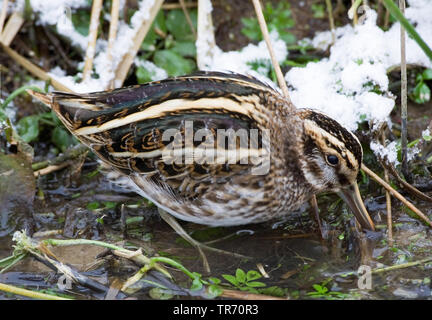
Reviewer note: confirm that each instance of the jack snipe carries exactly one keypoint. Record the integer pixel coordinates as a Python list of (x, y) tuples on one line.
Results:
[(216, 148)]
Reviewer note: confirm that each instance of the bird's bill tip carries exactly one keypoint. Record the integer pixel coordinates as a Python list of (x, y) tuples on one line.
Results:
[(352, 197)]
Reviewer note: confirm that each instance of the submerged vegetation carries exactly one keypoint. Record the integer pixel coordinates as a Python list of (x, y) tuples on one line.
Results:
[(53, 187)]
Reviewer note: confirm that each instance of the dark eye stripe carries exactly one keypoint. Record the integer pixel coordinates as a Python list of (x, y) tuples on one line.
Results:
[(349, 164)]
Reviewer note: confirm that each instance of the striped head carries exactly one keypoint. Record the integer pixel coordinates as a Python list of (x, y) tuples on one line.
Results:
[(333, 154), (332, 160)]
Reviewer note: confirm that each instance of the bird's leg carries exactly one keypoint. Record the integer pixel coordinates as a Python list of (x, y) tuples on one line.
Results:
[(315, 208), (198, 245)]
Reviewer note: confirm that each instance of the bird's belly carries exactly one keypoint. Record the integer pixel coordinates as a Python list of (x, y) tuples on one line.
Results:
[(223, 207)]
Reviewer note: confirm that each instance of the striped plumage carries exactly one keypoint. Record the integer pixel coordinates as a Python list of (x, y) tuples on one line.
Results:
[(285, 161)]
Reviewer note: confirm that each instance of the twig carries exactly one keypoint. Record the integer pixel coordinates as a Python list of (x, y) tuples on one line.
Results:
[(265, 33), (331, 20), (401, 266), (386, 19), (135, 256), (3, 14), (388, 204), (32, 68), (404, 108), (396, 194), (70, 154), (173, 6), (11, 29), (93, 31), (128, 58), (205, 35), (188, 18), (315, 209), (50, 169), (115, 8), (408, 187)]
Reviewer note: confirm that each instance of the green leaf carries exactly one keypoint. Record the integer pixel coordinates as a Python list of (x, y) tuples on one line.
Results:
[(81, 21), (320, 289), (149, 43), (253, 275), (110, 204), (28, 128), (178, 26), (427, 74), (318, 11), (256, 284), (421, 93), (160, 294), (251, 29), (196, 284), (61, 138), (143, 75), (240, 275), (231, 279), (93, 205), (173, 63), (273, 291), (160, 21), (214, 280), (185, 49), (214, 291)]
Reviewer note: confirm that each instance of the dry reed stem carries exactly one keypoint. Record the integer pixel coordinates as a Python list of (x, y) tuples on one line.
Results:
[(188, 18), (352, 12), (11, 29), (35, 70), (50, 169), (331, 20), (115, 8), (242, 295), (404, 101), (388, 204), (173, 6), (93, 31), (265, 33), (3, 14), (127, 60), (396, 194), (205, 27)]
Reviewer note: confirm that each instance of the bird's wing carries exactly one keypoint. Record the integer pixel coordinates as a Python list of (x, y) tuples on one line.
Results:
[(185, 132)]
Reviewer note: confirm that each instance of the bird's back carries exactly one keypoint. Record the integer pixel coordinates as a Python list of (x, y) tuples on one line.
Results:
[(210, 148)]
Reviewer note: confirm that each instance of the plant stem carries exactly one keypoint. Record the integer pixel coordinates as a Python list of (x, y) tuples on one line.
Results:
[(29, 293), (402, 266), (265, 33), (17, 92), (404, 108), (396, 194), (352, 12), (93, 31), (331, 20)]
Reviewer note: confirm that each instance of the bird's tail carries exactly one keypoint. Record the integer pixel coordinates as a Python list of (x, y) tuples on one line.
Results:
[(43, 97)]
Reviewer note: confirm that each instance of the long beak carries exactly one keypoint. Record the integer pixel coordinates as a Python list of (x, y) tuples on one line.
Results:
[(351, 196)]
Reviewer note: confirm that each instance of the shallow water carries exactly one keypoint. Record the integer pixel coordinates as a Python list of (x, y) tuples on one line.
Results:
[(291, 252)]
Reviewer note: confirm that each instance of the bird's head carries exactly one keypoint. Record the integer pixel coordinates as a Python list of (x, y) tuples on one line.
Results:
[(333, 157)]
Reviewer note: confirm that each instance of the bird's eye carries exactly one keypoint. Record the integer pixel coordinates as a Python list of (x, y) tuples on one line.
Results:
[(332, 159)]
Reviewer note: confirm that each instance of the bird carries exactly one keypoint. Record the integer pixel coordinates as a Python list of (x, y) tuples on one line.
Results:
[(216, 148)]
